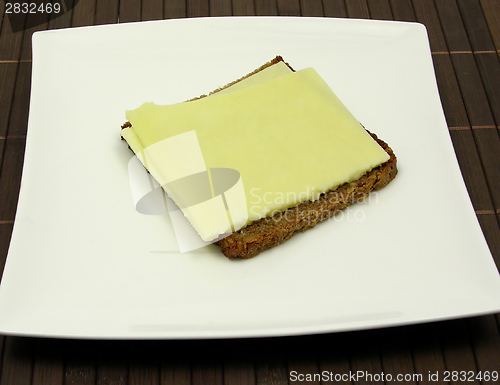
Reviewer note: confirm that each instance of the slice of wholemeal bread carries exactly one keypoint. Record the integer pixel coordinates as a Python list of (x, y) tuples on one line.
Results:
[(272, 231)]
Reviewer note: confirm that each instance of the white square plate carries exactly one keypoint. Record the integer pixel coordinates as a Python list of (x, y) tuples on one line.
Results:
[(83, 263)]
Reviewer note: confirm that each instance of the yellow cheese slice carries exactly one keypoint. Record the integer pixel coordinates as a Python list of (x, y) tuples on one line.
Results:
[(288, 136), (269, 73)]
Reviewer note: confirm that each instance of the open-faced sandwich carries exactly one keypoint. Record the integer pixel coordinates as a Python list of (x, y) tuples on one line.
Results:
[(300, 154)]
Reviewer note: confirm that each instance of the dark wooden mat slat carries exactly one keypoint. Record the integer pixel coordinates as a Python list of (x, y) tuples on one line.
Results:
[(473, 93), (380, 10), (2, 345), (2, 11), (206, 363), (403, 10), (17, 362), (129, 11), (5, 234), (48, 367), (357, 9), (2, 148), (238, 361), (451, 23), (64, 20), (365, 355), (144, 364), (152, 10), (243, 8), (489, 225), (397, 356), (18, 122), (426, 13), (457, 348), (175, 362), (8, 74), (10, 177), (471, 86), (476, 27), (449, 92), (174, 9), (207, 374), (221, 8), (289, 7), (334, 8), (111, 363), (491, 10), (347, 354), (302, 359), (272, 371), (175, 373), (9, 189), (198, 8), (489, 69), (10, 54), (312, 8), (427, 353), (488, 143), (333, 359), (19, 104), (10, 42), (482, 44), (84, 13), (266, 8), (106, 12), (80, 362), (463, 140), (270, 361), (486, 341), (472, 172), (40, 22), (237, 371)]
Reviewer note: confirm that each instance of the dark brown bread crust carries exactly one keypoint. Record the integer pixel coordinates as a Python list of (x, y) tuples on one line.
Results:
[(269, 232), (276, 60)]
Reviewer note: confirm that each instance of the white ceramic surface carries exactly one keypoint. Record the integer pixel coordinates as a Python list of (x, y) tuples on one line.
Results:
[(83, 263)]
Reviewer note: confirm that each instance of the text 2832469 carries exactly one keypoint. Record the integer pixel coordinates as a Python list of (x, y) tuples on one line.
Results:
[(32, 7)]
